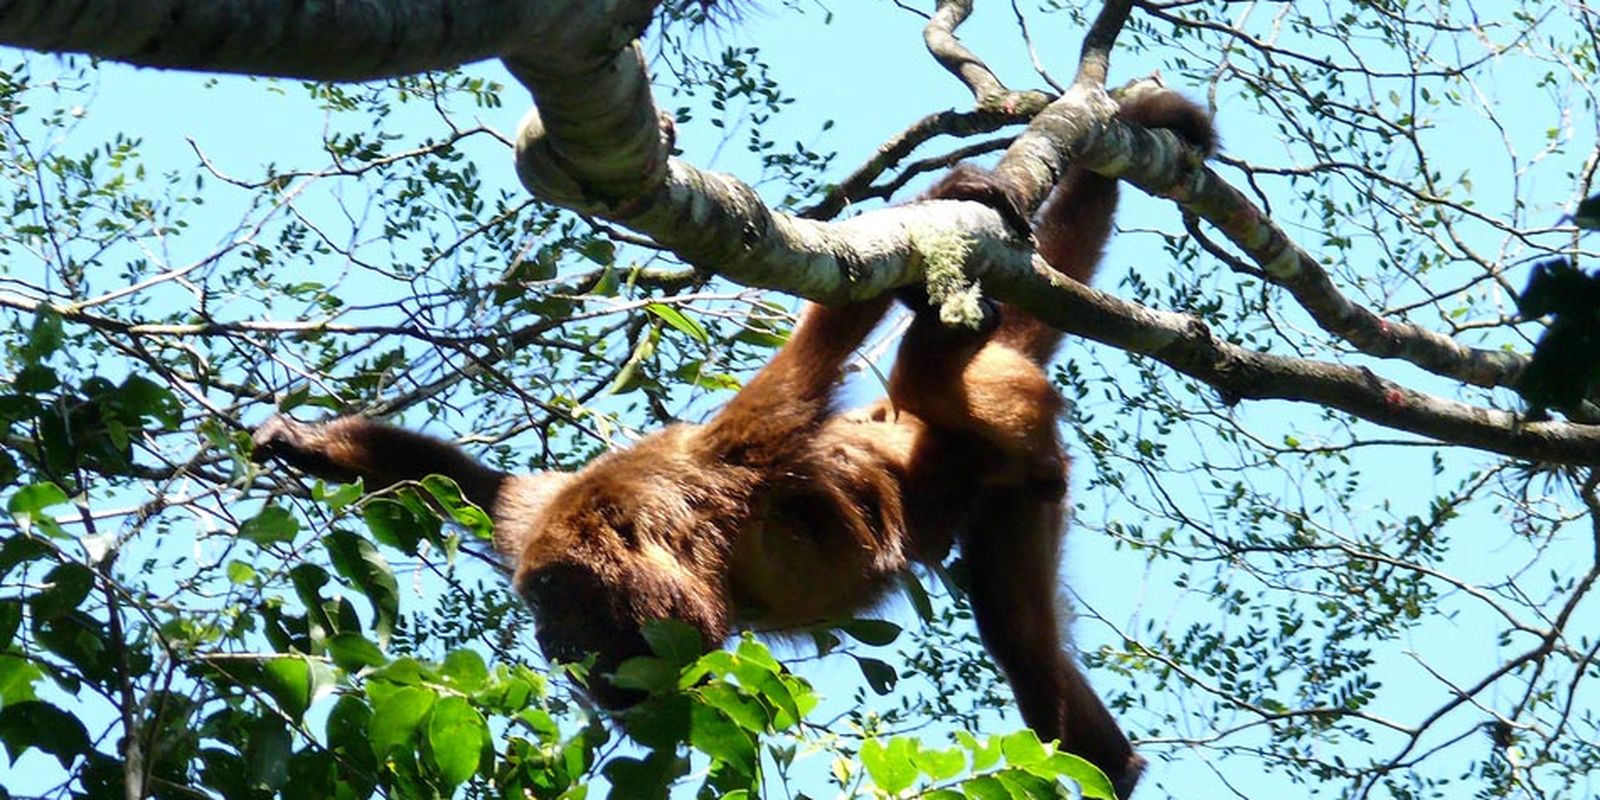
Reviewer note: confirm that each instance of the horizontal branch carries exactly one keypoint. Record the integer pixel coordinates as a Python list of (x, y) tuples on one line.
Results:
[(1187, 345), (329, 41)]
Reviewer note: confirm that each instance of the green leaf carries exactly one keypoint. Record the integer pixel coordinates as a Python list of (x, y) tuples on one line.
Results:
[(150, 400), (80, 639), (1588, 213), (396, 716), (463, 513), (28, 504), (1023, 748), (646, 673), (673, 640), (46, 335), (876, 632), (288, 680), (16, 550), (917, 594), (660, 723), (607, 284), (405, 671), (66, 587), (985, 754), (351, 651), (38, 724), (395, 524), (359, 562), (10, 621), (272, 526), (1091, 781), (35, 379), (266, 752), (879, 674), (308, 580), (679, 321), (628, 376), (598, 250), (347, 724), (752, 654), (651, 776), (293, 681), (465, 670), (18, 677), (890, 766), (712, 733), (986, 787), (336, 498), (746, 711), (1022, 783), (941, 765), (457, 739), (240, 573)]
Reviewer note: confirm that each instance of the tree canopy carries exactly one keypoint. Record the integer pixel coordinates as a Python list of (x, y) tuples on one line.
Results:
[(1322, 546)]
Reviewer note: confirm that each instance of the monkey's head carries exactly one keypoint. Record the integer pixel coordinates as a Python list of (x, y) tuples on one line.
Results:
[(589, 577), (519, 508), (591, 601), (579, 611)]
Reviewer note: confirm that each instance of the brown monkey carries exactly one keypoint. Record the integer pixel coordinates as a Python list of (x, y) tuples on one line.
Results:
[(779, 512)]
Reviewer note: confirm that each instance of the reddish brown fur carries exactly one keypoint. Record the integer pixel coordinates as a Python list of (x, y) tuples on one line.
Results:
[(779, 512)]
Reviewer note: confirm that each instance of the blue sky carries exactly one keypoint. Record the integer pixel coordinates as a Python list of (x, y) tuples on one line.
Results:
[(868, 72)]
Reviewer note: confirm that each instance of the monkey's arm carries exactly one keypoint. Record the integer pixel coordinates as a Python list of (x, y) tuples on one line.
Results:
[(793, 394), (346, 448)]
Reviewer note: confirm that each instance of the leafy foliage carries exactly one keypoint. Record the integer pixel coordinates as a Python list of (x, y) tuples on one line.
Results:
[(1277, 600)]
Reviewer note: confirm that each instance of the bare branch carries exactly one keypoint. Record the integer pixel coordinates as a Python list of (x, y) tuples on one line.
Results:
[(940, 36)]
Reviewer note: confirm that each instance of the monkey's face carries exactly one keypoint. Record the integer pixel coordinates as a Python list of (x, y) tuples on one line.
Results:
[(578, 611)]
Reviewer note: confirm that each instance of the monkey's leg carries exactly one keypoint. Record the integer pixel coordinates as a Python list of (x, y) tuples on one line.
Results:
[(346, 448), (983, 388), (1013, 550)]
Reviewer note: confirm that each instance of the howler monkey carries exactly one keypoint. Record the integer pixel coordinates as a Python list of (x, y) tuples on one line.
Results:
[(780, 512)]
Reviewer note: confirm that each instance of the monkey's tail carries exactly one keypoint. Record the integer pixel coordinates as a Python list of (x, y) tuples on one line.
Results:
[(1074, 224), (1071, 229)]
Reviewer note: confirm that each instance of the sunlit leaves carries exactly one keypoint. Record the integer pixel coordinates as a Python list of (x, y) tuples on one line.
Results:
[(28, 506), (273, 525), (458, 739), (36, 724), (360, 562), (397, 715), (1012, 766)]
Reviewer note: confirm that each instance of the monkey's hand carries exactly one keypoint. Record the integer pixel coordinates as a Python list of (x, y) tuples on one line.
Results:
[(297, 444)]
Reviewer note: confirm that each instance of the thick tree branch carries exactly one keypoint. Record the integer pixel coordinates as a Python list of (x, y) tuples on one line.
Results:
[(1094, 61), (1188, 346), (718, 223), (320, 40)]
